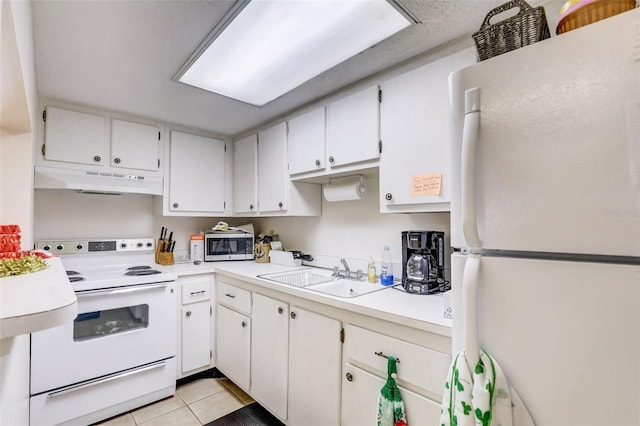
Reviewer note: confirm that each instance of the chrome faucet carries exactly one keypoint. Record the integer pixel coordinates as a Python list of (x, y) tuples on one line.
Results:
[(346, 266), (358, 275)]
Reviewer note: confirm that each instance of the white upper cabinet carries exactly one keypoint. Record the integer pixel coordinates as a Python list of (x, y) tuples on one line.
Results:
[(414, 126), (353, 130), (306, 142), (135, 145), (196, 174), (272, 168), (74, 137), (245, 162), (82, 138)]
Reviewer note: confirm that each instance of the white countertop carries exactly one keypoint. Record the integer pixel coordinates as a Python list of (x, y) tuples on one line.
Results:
[(36, 301), (425, 312)]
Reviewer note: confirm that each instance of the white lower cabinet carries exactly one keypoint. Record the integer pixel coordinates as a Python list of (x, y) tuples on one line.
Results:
[(234, 343), (360, 393), (195, 349), (270, 353), (421, 374), (314, 368)]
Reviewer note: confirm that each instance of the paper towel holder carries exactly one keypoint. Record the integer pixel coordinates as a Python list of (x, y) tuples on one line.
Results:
[(352, 179)]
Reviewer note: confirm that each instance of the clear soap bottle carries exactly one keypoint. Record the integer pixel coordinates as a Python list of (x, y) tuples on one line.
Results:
[(371, 271)]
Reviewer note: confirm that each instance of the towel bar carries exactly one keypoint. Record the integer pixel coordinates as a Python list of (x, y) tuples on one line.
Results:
[(384, 356)]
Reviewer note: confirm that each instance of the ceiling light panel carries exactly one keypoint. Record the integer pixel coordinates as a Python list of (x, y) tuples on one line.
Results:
[(273, 46)]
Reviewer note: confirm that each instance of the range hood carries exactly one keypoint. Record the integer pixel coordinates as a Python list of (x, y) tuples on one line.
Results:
[(96, 181)]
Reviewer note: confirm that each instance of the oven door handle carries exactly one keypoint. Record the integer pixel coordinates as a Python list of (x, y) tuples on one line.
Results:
[(119, 290), (100, 381)]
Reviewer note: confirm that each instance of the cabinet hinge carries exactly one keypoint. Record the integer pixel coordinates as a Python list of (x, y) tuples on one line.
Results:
[(225, 147), (224, 205), (158, 163), (44, 115), (210, 311), (158, 135), (210, 355), (380, 147), (380, 96), (44, 149), (342, 335)]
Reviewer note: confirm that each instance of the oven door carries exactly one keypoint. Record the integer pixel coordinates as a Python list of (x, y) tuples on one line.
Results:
[(116, 329)]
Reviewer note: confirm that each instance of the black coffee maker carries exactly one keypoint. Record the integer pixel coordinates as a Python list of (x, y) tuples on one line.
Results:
[(423, 262)]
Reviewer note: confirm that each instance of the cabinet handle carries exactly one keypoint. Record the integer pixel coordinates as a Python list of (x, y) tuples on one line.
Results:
[(244, 324), (193, 293), (293, 315), (116, 160), (175, 205), (280, 310), (331, 159), (230, 295), (318, 163), (349, 377), (250, 206), (388, 196), (97, 159), (280, 204), (188, 314)]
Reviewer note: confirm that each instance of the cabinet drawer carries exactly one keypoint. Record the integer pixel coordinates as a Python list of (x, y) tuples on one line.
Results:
[(418, 366), (195, 289), (234, 297)]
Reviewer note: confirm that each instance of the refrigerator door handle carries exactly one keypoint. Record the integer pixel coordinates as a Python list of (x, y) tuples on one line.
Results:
[(468, 172), (470, 308)]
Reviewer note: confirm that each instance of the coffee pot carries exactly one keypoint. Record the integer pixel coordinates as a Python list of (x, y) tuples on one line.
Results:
[(423, 262)]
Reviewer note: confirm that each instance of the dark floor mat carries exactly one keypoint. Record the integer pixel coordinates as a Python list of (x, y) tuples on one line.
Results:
[(249, 415)]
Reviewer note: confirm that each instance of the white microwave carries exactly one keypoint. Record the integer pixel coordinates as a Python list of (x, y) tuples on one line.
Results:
[(228, 245)]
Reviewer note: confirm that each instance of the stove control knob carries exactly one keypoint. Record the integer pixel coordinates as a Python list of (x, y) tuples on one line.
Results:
[(46, 247), (149, 244), (123, 245), (79, 246), (59, 247), (139, 245)]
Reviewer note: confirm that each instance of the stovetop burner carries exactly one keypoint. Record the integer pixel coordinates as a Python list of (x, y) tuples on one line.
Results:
[(139, 272), (74, 279), (70, 273), (138, 268)]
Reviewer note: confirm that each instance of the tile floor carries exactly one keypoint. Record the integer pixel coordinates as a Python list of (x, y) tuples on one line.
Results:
[(194, 404)]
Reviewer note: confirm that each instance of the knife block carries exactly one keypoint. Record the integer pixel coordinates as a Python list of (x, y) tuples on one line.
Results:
[(163, 258)]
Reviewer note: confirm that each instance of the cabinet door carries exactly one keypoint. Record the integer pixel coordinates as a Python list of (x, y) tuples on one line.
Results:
[(74, 137), (305, 142), (353, 128), (196, 331), (245, 169), (233, 334), (272, 169), (135, 145), (360, 393), (196, 173), (414, 127), (269, 353), (314, 369)]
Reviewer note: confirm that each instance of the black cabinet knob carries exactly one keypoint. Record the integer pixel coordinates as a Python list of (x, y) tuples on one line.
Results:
[(349, 377), (116, 160), (388, 196), (331, 159), (175, 205), (97, 159), (280, 204), (280, 310), (293, 315), (250, 206), (317, 162), (188, 313)]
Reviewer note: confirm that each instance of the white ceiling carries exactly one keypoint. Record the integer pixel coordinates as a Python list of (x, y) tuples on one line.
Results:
[(121, 55)]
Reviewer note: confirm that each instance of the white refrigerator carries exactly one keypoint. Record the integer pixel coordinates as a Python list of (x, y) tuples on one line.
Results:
[(545, 220)]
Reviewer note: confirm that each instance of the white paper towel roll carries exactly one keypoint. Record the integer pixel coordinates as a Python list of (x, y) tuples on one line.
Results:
[(344, 191)]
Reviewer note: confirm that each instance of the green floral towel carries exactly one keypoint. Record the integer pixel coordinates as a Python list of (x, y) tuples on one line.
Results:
[(480, 398), (390, 405)]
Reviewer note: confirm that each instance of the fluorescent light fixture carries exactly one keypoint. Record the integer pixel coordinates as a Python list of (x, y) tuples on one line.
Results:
[(273, 46)]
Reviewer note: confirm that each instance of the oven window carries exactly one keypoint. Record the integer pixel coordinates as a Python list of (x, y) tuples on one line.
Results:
[(93, 325)]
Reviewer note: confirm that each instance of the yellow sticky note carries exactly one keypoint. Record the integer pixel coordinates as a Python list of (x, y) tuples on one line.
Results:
[(426, 184)]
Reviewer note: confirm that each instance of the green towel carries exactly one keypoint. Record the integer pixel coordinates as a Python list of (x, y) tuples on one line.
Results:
[(390, 405)]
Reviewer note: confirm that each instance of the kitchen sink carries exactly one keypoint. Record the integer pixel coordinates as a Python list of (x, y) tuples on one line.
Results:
[(321, 281)]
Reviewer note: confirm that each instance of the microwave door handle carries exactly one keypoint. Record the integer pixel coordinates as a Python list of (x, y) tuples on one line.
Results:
[(468, 168), (110, 291)]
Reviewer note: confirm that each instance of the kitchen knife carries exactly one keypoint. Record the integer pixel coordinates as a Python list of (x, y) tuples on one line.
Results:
[(173, 244), (162, 233)]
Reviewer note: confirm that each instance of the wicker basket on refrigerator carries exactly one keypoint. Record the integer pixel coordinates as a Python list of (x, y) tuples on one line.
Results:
[(528, 26)]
